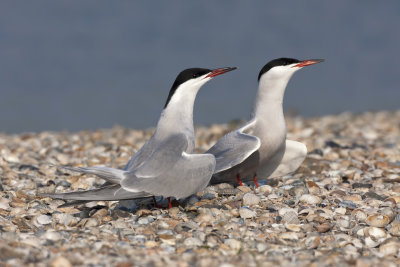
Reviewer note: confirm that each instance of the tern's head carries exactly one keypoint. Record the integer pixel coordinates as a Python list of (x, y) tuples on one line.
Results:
[(189, 81), (283, 68)]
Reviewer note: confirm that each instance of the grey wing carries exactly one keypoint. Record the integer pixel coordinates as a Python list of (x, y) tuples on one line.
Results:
[(140, 155), (106, 193), (294, 155), (162, 157), (110, 174), (190, 173), (233, 148)]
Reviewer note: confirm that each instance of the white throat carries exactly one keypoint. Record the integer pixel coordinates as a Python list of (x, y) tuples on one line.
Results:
[(177, 116), (271, 90)]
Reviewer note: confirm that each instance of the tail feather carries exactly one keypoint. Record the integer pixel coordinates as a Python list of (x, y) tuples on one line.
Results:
[(106, 193), (109, 174)]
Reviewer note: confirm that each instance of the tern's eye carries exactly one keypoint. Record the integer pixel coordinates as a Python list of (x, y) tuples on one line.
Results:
[(195, 75)]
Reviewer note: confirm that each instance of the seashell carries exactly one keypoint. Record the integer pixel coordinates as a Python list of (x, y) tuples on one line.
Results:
[(369, 242), (292, 227), (359, 215), (374, 232), (290, 218), (395, 228), (388, 212), (377, 220), (341, 211), (312, 242), (264, 189), (390, 248), (310, 199), (353, 198), (344, 222), (289, 236), (250, 199), (44, 219), (298, 191), (323, 228), (247, 213)]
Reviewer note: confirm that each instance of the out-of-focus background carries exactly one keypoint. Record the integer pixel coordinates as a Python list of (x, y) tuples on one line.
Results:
[(72, 65)]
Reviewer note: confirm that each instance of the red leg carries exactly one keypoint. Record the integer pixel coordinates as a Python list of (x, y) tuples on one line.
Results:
[(255, 180), (238, 179), (169, 203), (155, 202)]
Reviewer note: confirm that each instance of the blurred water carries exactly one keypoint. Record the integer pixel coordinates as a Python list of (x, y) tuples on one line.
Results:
[(91, 64)]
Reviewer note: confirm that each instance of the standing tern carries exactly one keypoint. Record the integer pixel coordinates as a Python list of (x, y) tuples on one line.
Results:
[(165, 165), (259, 148)]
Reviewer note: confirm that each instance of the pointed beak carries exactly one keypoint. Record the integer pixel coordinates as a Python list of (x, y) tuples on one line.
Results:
[(219, 71), (308, 62)]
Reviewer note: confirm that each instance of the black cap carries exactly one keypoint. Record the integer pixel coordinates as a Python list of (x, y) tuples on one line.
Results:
[(283, 61), (184, 76)]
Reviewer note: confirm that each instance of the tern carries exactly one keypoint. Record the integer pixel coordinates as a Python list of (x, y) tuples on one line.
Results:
[(166, 165), (259, 148)]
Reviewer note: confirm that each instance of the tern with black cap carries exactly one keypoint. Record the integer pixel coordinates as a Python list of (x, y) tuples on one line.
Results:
[(259, 148), (166, 165)]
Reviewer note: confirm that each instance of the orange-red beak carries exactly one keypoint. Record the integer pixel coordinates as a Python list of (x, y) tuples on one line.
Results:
[(308, 62), (220, 71)]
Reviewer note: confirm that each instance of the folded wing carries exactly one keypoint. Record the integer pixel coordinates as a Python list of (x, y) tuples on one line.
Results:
[(234, 148), (294, 155)]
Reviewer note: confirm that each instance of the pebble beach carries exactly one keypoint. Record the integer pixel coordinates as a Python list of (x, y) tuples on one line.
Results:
[(340, 208)]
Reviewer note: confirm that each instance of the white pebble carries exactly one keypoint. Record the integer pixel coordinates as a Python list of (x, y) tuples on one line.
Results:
[(44, 219)]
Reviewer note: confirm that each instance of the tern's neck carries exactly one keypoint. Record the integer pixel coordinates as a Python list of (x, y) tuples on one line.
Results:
[(177, 116), (271, 90)]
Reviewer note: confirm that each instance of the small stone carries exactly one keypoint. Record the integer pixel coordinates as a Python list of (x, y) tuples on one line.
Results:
[(208, 196), (264, 189), (250, 199), (348, 204), (361, 185), (60, 262), (261, 247), (233, 244), (247, 213), (145, 220), (323, 228), (52, 235), (192, 242)]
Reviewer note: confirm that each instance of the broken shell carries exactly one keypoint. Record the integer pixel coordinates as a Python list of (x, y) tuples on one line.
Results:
[(359, 215)]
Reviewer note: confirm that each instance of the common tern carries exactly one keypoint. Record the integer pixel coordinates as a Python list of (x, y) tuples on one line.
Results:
[(166, 165), (259, 148)]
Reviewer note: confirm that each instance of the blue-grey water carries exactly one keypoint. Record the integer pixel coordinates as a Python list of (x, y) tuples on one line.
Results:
[(88, 64)]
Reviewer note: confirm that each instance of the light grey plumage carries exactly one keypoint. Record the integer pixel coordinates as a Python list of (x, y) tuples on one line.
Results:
[(165, 165), (260, 146)]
